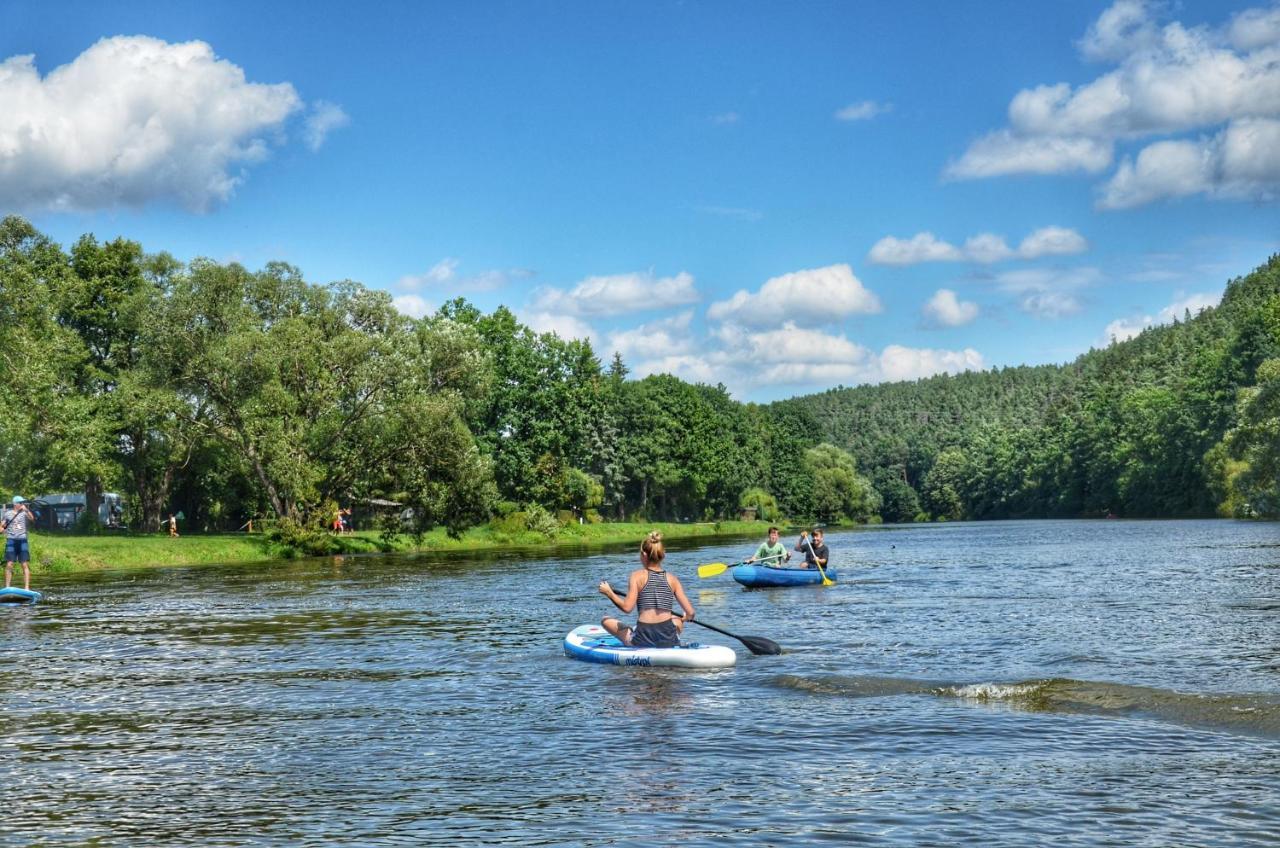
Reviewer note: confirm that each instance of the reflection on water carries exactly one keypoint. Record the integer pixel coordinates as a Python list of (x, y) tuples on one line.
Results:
[(1005, 683)]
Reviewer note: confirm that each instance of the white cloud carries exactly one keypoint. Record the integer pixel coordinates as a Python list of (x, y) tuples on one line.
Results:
[(726, 118), (444, 274), (1050, 304), (944, 309), (813, 297), (922, 247), (908, 363), (985, 248), (566, 327), (655, 340), (617, 295), (1222, 84), (1001, 153), (438, 274), (1254, 28), (863, 110), (1046, 292), (325, 117), (412, 305), (1052, 241), (1122, 329), (1120, 30), (134, 120), (1242, 161)]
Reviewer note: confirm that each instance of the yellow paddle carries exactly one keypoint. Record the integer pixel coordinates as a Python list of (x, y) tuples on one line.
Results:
[(711, 569), (826, 581)]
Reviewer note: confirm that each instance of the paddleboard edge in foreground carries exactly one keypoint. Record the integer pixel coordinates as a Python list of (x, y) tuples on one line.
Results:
[(14, 595)]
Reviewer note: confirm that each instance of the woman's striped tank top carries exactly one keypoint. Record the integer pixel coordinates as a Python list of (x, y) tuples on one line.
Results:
[(656, 593)]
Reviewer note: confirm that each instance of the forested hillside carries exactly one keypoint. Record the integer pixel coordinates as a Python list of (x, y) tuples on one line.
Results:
[(1180, 420)]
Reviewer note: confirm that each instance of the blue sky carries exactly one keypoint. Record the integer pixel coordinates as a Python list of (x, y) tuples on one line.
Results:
[(780, 197)]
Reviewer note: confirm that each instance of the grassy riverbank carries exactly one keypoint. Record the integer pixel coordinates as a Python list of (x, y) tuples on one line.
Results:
[(57, 553)]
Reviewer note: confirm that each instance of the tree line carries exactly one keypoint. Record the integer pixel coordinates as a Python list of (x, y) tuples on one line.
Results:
[(230, 394)]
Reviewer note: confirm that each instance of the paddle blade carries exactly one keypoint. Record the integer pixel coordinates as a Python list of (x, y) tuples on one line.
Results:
[(711, 569), (761, 646), (827, 581)]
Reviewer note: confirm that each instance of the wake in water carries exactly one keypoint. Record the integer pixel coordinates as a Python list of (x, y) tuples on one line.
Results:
[(1252, 714)]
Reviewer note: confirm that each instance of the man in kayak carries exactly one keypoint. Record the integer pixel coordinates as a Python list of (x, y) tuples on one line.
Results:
[(772, 552), (815, 551), (653, 592), (14, 524)]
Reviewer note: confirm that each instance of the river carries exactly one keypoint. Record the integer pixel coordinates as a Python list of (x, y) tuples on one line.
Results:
[(1005, 683)]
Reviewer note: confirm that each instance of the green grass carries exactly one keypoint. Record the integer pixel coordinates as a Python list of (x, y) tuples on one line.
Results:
[(58, 553)]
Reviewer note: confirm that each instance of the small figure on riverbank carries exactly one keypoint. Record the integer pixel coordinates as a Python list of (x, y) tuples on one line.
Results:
[(16, 549), (771, 552), (653, 592), (172, 522), (815, 552)]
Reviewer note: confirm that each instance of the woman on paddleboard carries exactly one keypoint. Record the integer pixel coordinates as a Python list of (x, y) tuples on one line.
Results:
[(653, 592)]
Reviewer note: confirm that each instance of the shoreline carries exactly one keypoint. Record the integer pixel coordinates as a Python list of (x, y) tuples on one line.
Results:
[(71, 554)]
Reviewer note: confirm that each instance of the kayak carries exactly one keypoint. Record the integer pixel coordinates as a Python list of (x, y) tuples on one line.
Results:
[(14, 595), (592, 643), (757, 576)]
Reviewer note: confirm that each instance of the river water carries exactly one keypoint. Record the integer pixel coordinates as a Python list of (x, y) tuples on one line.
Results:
[(1012, 683)]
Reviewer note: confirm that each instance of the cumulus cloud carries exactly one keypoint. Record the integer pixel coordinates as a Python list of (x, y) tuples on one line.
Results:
[(1201, 103), (565, 326), (1241, 162), (790, 355), (655, 340), (985, 248), (813, 297), (922, 247), (1122, 329), (1048, 293), (863, 110), (444, 275), (323, 119), (134, 120), (945, 309), (910, 363), (412, 305), (617, 295)]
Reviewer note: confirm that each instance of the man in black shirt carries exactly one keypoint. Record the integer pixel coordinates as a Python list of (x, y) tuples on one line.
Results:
[(815, 552)]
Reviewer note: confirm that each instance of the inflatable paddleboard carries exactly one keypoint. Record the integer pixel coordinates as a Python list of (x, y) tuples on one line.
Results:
[(14, 595), (592, 643)]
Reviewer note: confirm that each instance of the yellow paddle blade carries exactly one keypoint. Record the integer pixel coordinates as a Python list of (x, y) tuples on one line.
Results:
[(711, 569)]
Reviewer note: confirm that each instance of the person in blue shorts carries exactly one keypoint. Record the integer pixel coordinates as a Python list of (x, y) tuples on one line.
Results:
[(652, 591), (14, 522)]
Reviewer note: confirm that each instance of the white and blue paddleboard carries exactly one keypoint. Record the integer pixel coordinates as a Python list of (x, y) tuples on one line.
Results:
[(592, 643), (14, 595)]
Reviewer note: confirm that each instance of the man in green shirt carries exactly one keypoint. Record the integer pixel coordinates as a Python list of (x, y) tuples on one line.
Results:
[(772, 552)]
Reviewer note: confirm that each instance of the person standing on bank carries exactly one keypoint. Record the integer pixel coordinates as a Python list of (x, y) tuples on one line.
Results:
[(815, 552), (173, 526), (653, 592), (772, 552), (14, 522)]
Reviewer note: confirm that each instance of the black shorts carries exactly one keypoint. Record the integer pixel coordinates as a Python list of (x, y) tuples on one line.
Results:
[(660, 635)]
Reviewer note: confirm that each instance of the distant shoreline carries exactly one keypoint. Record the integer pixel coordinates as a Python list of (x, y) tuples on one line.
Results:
[(69, 554)]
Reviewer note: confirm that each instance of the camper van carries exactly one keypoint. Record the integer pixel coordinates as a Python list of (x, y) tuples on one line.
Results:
[(62, 510)]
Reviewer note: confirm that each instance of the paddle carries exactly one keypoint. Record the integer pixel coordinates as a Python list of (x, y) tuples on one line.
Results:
[(826, 581), (711, 569), (755, 644)]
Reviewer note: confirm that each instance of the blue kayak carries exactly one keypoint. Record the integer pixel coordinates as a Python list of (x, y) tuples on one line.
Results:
[(14, 595), (759, 576)]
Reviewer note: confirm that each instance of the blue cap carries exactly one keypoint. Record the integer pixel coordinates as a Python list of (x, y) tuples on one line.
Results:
[(19, 499)]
